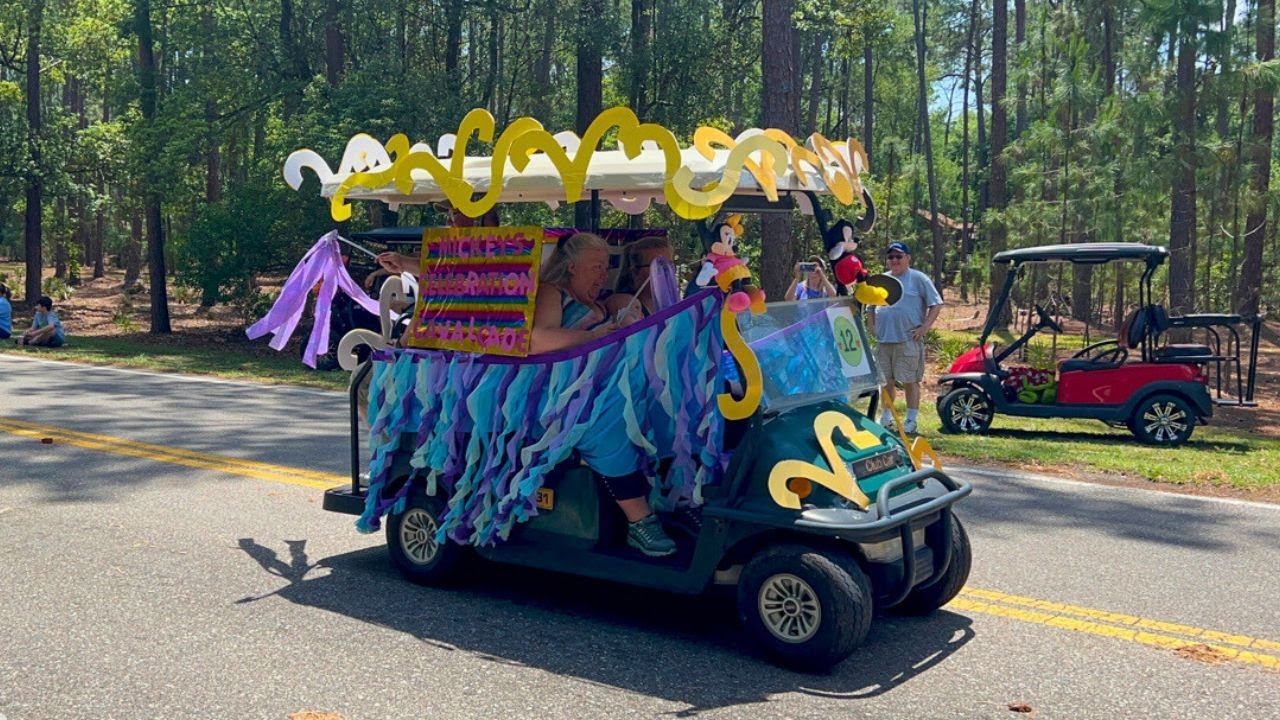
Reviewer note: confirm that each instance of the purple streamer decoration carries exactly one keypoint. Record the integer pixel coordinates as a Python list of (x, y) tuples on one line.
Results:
[(321, 264)]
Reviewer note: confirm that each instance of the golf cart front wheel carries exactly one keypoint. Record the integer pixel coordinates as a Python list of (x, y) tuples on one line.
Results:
[(412, 543), (807, 608), (966, 410), (927, 598), (1163, 419)]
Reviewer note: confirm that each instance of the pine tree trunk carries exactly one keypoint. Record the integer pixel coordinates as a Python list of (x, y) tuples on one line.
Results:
[(1182, 205), (966, 245), (939, 250), (868, 94), (152, 211), (334, 44), (590, 84), (1020, 42), (641, 22), (34, 219), (1249, 291), (998, 232), (780, 73)]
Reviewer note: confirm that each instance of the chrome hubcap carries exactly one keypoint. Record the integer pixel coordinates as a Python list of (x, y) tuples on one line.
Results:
[(418, 536), (789, 608), (970, 412), (1164, 421)]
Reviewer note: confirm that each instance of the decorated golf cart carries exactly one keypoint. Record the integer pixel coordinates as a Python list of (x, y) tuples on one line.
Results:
[(1158, 389), (741, 415)]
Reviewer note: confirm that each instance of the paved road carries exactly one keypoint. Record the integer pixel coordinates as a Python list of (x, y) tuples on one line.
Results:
[(166, 557)]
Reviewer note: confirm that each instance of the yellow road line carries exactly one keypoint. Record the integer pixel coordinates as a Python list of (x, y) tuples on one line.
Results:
[(1117, 625), (1144, 631), (175, 456)]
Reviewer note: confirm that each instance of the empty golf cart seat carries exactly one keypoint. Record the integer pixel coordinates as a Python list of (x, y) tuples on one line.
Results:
[(1079, 364), (1183, 353)]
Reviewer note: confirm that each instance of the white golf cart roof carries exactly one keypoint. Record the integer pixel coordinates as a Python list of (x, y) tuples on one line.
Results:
[(628, 164)]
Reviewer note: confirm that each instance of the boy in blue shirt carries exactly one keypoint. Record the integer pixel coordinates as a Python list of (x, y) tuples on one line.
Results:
[(6, 314), (46, 328)]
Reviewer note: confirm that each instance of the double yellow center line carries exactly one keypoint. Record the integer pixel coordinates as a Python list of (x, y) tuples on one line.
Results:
[(1198, 642), (1212, 645), (175, 456)]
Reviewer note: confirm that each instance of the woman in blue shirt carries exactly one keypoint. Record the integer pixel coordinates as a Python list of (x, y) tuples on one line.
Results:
[(811, 281), (6, 314)]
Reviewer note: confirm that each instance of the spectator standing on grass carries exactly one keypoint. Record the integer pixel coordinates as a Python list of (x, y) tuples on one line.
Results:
[(46, 328), (900, 330), (6, 313)]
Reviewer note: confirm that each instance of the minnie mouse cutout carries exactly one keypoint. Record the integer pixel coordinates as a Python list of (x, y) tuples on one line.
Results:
[(728, 270)]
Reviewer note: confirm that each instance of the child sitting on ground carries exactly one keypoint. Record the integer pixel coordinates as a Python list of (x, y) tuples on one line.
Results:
[(46, 328)]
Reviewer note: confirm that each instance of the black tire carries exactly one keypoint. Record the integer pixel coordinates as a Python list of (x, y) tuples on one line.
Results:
[(411, 542), (1163, 419), (927, 598), (966, 410), (821, 605)]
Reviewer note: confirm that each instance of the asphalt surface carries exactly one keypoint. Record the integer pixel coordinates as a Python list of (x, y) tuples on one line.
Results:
[(136, 587)]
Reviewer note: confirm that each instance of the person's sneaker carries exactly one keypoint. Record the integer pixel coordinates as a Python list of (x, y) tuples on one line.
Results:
[(886, 420), (909, 426), (646, 535)]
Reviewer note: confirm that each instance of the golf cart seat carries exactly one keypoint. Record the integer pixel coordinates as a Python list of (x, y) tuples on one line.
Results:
[(1071, 365), (1159, 322), (1111, 354)]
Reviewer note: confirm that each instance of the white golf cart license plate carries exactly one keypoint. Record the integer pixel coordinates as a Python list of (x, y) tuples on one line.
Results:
[(877, 463)]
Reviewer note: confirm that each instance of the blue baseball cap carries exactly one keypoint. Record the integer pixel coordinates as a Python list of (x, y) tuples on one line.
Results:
[(899, 246)]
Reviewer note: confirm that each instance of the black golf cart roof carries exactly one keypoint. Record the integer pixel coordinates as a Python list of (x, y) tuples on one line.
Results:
[(1085, 254)]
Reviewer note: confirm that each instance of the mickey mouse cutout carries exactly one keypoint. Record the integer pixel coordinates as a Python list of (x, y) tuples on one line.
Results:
[(841, 241), (730, 273)]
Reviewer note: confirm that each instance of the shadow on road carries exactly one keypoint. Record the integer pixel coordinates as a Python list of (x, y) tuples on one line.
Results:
[(682, 649), (1121, 439)]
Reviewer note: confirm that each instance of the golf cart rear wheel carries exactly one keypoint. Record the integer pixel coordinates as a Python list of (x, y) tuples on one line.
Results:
[(412, 544), (807, 608), (1163, 419), (927, 598), (966, 410)]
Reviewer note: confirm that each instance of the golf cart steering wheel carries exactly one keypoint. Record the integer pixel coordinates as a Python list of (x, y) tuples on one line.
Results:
[(1046, 321)]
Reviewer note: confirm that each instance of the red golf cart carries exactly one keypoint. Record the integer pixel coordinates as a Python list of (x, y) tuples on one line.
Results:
[(1158, 389)]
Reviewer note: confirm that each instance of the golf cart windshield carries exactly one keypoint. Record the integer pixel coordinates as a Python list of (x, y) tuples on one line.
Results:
[(809, 351)]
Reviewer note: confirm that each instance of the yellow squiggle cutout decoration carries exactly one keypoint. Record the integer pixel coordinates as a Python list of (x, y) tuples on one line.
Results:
[(752, 378), (573, 171), (699, 204), (706, 139), (843, 183), (919, 448), (526, 136), (838, 480), (398, 148)]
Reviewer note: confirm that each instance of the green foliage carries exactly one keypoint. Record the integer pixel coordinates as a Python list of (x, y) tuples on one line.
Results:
[(57, 289), (240, 92)]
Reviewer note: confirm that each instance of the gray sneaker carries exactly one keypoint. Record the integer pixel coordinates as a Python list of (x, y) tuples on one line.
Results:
[(646, 535)]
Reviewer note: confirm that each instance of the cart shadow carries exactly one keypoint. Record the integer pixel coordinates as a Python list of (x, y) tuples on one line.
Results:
[(646, 641), (1119, 438)]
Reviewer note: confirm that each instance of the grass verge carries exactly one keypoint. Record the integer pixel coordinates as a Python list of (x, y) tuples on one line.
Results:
[(213, 356), (1215, 458)]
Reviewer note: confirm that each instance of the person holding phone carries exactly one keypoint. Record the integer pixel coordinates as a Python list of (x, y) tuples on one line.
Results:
[(811, 281)]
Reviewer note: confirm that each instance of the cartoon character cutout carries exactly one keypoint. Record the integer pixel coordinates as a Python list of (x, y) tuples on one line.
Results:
[(728, 271), (840, 242)]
